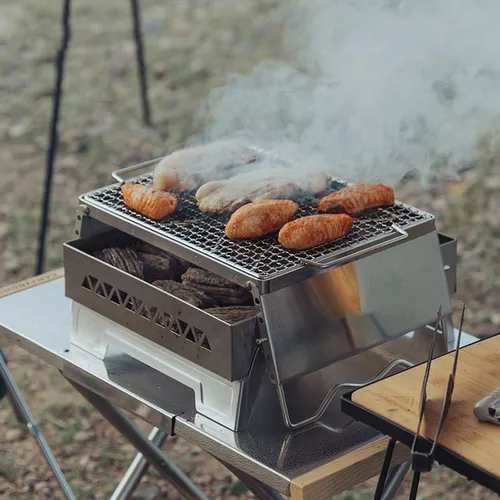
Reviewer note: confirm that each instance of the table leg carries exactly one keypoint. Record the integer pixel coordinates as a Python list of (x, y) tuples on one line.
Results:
[(414, 485), (385, 470), (137, 469), (260, 490), (395, 479), (141, 65), (24, 413), (142, 444)]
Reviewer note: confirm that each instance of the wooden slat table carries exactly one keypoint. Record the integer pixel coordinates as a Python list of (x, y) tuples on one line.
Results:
[(466, 445)]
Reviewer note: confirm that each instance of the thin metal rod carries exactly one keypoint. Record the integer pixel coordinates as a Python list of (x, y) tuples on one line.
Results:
[(330, 395), (385, 469), (259, 489), (53, 136), (24, 412), (141, 65), (140, 441), (137, 469), (395, 479), (414, 485)]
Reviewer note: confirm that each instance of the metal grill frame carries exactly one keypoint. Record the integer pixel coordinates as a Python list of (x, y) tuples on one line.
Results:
[(199, 249)]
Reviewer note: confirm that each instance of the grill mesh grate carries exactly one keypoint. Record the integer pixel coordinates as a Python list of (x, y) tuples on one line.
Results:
[(263, 258)]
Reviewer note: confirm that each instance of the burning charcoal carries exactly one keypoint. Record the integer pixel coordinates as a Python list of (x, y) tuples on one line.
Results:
[(233, 314), (222, 291), (158, 267), (124, 259), (189, 294), (146, 248)]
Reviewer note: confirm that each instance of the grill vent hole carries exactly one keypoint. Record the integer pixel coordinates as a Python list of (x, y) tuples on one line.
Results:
[(206, 344), (190, 336)]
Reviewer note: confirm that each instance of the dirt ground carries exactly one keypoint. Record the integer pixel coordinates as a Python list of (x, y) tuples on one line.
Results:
[(191, 45)]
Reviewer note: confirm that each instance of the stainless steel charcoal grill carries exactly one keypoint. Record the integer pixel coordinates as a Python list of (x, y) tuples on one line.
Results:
[(320, 311)]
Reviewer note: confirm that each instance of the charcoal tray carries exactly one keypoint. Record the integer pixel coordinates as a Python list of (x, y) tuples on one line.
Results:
[(168, 321)]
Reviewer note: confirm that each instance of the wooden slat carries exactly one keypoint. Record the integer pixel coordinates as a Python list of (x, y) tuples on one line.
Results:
[(345, 472), (478, 373), (31, 282)]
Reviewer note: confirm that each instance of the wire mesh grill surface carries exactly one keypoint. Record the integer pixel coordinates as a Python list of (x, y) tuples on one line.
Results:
[(264, 258)]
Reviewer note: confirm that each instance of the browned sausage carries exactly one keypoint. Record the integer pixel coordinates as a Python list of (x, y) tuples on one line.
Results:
[(260, 218), (355, 199), (149, 201), (314, 230)]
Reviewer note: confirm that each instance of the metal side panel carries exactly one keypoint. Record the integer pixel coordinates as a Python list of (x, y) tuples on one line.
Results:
[(351, 308)]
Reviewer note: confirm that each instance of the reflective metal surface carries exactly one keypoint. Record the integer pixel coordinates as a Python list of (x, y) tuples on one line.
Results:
[(267, 450), (354, 307)]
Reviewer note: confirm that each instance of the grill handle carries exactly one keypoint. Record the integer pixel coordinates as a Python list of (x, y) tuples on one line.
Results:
[(117, 174), (401, 235)]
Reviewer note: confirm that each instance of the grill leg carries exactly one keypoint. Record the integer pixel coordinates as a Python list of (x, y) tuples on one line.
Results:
[(53, 135), (24, 414), (141, 64), (137, 469), (150, 452)]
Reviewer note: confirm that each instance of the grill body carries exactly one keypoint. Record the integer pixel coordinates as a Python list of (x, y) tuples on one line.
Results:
[(320, 309)]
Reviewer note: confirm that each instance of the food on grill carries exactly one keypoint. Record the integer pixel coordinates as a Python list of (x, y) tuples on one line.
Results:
[(260, 218), (186, 293), (148, 201), (123, 258), (221, 196), (314, 230), (355, 199), (158, 267), (233, 314), (222, 291), (189, 168)]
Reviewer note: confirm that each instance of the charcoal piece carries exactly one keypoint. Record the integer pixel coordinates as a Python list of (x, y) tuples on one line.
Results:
[(124, 259), (189, 294), (156, 267), (233, 314), (201, 276), (224, 300), (146, 248), (221, 290), (134, 262)]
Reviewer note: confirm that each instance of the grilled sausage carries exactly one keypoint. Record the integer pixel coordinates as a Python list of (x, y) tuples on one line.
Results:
[(314, 230), (260, 218), (355, 199), (148, 201)]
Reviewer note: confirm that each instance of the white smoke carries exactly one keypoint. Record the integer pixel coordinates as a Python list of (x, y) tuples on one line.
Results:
[(377, 88)]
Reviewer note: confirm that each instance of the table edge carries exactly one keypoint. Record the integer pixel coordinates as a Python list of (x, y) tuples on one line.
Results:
[(336, 476), (20, 286), (443, 456)]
